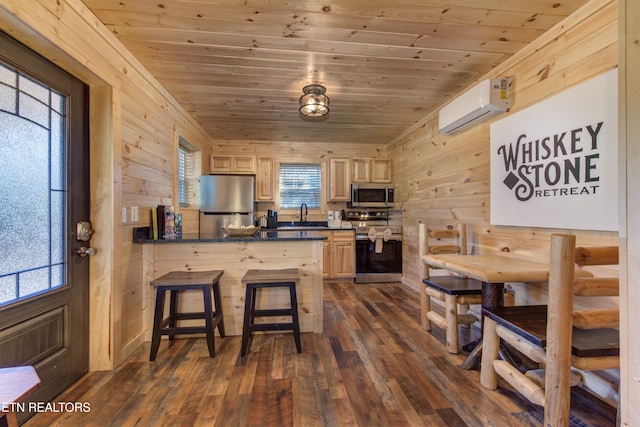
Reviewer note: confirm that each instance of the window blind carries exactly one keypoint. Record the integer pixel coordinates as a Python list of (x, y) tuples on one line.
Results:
[(300, 183), (186, 180)]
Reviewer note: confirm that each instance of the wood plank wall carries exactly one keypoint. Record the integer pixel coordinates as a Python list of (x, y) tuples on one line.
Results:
[(135, 125), (443, 180)]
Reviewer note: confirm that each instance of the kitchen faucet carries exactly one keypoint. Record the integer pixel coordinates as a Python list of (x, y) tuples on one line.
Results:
[(306, 212)]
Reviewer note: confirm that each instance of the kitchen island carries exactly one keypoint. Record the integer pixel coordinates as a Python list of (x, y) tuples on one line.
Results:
[(236, 255)]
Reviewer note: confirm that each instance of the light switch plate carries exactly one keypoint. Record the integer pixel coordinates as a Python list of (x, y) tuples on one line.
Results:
[(124, 215), (134, 214)]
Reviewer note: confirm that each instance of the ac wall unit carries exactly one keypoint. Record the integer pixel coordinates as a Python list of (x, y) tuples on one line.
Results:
[(487, 99)]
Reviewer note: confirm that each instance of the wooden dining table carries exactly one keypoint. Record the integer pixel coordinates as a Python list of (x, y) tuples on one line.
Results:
[(494, 270)]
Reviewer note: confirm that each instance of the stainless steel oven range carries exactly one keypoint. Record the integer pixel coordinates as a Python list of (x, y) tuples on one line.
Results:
[(378, 244)]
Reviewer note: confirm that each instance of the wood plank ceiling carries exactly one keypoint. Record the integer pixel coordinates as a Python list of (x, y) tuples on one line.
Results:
[(239, 66)]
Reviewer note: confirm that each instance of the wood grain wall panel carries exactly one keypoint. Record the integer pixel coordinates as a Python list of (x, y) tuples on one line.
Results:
[(190, 221), (144, 140), (444, 180), (144, 193)]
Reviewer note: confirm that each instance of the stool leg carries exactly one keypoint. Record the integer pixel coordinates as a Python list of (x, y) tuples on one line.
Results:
[(217, 299), (294, 315), (249, 303), (254, 298), (451, 319), (208, 319), (157, 323), (173, 304)]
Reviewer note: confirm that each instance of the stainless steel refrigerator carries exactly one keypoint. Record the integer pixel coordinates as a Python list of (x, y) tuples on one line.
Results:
[(225, 200)]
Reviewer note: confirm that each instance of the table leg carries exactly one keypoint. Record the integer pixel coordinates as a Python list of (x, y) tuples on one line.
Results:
[(473, 359), (492, 296)]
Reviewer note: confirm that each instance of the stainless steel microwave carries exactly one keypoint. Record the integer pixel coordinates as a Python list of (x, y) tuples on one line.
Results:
[(371, 195)]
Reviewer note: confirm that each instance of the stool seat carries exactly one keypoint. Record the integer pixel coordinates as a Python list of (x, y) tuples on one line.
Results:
[(454, 285), (174, 282), (271, 276), (257, 279)]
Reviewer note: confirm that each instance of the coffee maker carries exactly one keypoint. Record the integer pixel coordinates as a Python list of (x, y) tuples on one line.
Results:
[(272, 219)]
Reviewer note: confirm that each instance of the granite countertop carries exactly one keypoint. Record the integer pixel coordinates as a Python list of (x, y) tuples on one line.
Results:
[(260, 236)]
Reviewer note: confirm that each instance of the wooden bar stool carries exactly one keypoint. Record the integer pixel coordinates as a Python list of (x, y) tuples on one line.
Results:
[(17, 383), (175, 281), (259, 279)]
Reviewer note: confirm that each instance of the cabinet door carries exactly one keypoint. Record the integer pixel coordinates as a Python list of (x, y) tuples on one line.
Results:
[(381, 170), (339, 180), (326, 259), (244, 164), (265, 182), (232, 164), (361, 170), (343, 258), (221, 164)]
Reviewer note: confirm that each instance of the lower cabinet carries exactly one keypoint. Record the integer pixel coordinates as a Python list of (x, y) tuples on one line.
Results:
[(338, 253)]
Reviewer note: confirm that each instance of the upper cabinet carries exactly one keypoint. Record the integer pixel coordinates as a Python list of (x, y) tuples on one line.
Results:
[(265, 179), (339, 180), (361, 170), (233, 164), (371, 170), (380, 170)]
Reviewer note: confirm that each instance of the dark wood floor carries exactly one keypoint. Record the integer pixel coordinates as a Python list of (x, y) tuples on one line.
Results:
[(372, 366)]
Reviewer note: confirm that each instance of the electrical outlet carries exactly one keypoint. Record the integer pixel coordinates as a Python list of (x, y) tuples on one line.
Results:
[(134, 214), (124, 215)]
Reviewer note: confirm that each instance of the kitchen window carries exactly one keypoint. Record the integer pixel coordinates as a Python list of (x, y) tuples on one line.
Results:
[(300, 183), (188, 172)]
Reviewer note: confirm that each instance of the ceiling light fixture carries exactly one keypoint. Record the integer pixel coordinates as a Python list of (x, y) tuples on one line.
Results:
[(314, 104)]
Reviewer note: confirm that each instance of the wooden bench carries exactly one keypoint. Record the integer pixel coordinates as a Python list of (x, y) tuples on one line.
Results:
[(556, 336), (457, 292), (16, 384), (264, 279)]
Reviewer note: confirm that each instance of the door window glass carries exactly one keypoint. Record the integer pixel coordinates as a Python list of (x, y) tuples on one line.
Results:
[(32, 186)]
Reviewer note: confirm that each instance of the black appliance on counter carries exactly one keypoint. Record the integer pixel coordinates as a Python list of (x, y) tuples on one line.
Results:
[(272, 219), (378, 244)]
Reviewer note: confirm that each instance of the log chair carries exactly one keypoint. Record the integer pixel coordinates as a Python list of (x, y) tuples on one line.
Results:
[(569, 344), (457, 292)]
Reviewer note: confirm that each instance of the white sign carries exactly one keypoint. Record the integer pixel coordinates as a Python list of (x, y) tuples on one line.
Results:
[(555, 164)]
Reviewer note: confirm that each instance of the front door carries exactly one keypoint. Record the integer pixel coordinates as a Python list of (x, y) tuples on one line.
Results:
[(44, 194)]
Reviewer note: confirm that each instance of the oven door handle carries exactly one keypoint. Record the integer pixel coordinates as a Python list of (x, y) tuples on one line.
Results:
[(366, 237)]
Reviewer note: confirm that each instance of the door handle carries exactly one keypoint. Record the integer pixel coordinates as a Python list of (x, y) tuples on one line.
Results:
[(84, 251)]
